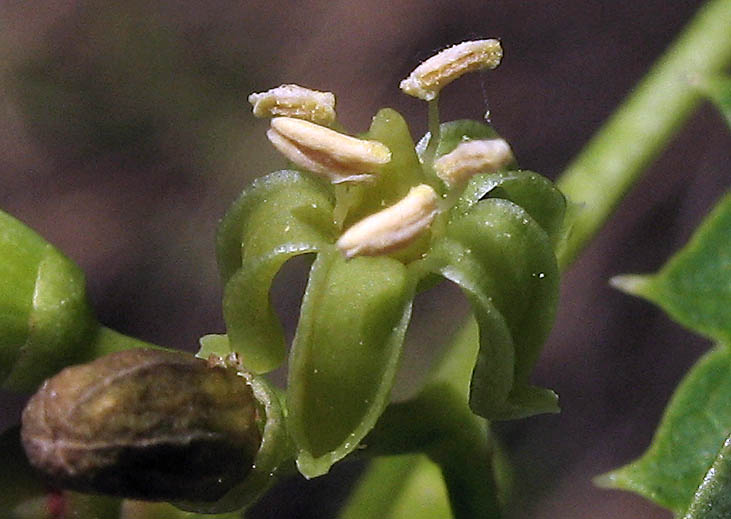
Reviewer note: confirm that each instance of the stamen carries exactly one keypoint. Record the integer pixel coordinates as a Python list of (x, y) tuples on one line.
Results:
[(295, 101), (431, 76), (338, 157), (472, 157), (392, 228)]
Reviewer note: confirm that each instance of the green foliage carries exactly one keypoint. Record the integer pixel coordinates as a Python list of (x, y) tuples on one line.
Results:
[(695, 426), (712, 500), (678, 471), (496, 241), (694, 287)]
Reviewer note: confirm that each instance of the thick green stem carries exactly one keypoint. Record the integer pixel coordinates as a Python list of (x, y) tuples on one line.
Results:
[(624, 147)]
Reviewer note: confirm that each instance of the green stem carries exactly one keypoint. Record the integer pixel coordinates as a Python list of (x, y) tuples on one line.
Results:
[(440, 424), (637, 132)]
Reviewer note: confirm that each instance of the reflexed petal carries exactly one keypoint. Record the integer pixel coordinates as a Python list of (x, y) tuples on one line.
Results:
[(282, 215), (345, 354)]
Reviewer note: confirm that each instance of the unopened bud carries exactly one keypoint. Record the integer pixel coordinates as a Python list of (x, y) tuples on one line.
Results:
[(431, 76), (295, 101), (338, 157), (145, 424), (392, 228), (472, 157)]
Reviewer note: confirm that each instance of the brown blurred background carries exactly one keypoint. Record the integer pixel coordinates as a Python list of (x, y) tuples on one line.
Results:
[(125, 133)]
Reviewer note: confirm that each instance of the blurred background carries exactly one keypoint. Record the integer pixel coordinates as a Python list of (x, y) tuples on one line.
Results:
[(125, 134)]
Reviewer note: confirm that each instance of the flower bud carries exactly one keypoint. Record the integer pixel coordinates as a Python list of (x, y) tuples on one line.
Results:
[(45, 320), (338, 157), (472, 157), (146, 424), (295, 101), (392, 228), (431, 76)]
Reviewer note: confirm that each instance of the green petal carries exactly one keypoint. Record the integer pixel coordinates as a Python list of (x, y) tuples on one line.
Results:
[(505, 260), (693, 429), (283, 207), (282, 215), (536, 194), (494, 370), (345, 354), (252, 326)]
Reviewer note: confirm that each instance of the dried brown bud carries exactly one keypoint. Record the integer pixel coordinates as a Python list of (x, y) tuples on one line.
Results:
[(145, 424)]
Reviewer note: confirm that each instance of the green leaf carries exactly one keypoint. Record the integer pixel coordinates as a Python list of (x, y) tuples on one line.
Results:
[(696, 423), (712, 500), (345, 354), (694, 286), (719, 91), (280, 216)]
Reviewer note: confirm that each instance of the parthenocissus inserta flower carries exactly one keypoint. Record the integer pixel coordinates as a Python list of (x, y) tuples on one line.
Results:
[(445, 208)]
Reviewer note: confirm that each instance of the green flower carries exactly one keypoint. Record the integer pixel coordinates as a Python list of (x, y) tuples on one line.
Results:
[(383, 218)]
